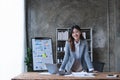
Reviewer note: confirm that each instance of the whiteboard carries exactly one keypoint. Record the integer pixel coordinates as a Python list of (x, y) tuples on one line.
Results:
[(41, 52)]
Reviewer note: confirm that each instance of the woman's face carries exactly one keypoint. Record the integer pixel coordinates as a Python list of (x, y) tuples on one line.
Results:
[(76, 34)]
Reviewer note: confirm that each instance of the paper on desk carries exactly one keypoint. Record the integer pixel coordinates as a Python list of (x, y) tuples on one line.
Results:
[(81, 74), (45, 73)]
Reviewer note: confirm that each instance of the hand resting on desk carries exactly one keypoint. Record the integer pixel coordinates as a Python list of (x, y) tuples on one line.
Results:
[(63, 72), (94, 71)]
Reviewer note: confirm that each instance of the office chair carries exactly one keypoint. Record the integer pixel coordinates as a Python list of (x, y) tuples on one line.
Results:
[(98, 66)]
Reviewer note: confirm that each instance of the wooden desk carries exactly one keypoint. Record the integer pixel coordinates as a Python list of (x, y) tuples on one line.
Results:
[(37, 76)]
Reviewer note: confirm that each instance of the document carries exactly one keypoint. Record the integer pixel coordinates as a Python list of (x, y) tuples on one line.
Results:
[(74, 74), (45, 73), (81, 74)]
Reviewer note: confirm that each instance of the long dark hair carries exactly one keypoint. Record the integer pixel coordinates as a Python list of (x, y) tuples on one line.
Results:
[(71, 39)]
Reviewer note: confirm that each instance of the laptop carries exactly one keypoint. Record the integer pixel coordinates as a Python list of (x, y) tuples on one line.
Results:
[(52, 68)]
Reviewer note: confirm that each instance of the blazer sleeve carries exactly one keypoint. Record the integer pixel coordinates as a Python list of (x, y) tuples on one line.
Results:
[(66, 56), (87, 56)]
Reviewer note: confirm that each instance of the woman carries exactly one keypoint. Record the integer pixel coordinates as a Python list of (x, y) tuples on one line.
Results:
[(76, 56)]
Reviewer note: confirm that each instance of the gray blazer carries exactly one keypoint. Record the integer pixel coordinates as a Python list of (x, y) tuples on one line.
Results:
[(69, 57)]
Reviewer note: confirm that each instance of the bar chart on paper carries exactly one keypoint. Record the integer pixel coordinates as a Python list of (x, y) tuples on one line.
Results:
[(42, 53)]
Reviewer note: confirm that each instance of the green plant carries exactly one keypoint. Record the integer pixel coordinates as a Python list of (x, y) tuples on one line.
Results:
[(28, 60)]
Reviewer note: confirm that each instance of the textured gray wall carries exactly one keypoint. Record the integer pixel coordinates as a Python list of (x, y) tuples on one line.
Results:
[(44, 16), (117, 36)]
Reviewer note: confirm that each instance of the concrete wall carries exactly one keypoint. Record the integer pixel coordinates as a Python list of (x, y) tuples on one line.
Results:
[(44, 16), (117, 35)]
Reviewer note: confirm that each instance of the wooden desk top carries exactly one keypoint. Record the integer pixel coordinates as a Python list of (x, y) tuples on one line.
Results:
[(38, 76)]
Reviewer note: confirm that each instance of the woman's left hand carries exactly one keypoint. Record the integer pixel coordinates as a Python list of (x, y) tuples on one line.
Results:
[(94, 71)]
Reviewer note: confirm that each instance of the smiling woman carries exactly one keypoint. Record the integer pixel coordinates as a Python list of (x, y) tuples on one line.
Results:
[(76, 56)]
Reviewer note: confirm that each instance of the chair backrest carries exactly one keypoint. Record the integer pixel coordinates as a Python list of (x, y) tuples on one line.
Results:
[(98, 66)]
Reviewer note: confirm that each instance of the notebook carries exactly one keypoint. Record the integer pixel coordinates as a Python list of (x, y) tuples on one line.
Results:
[(52, 68)]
